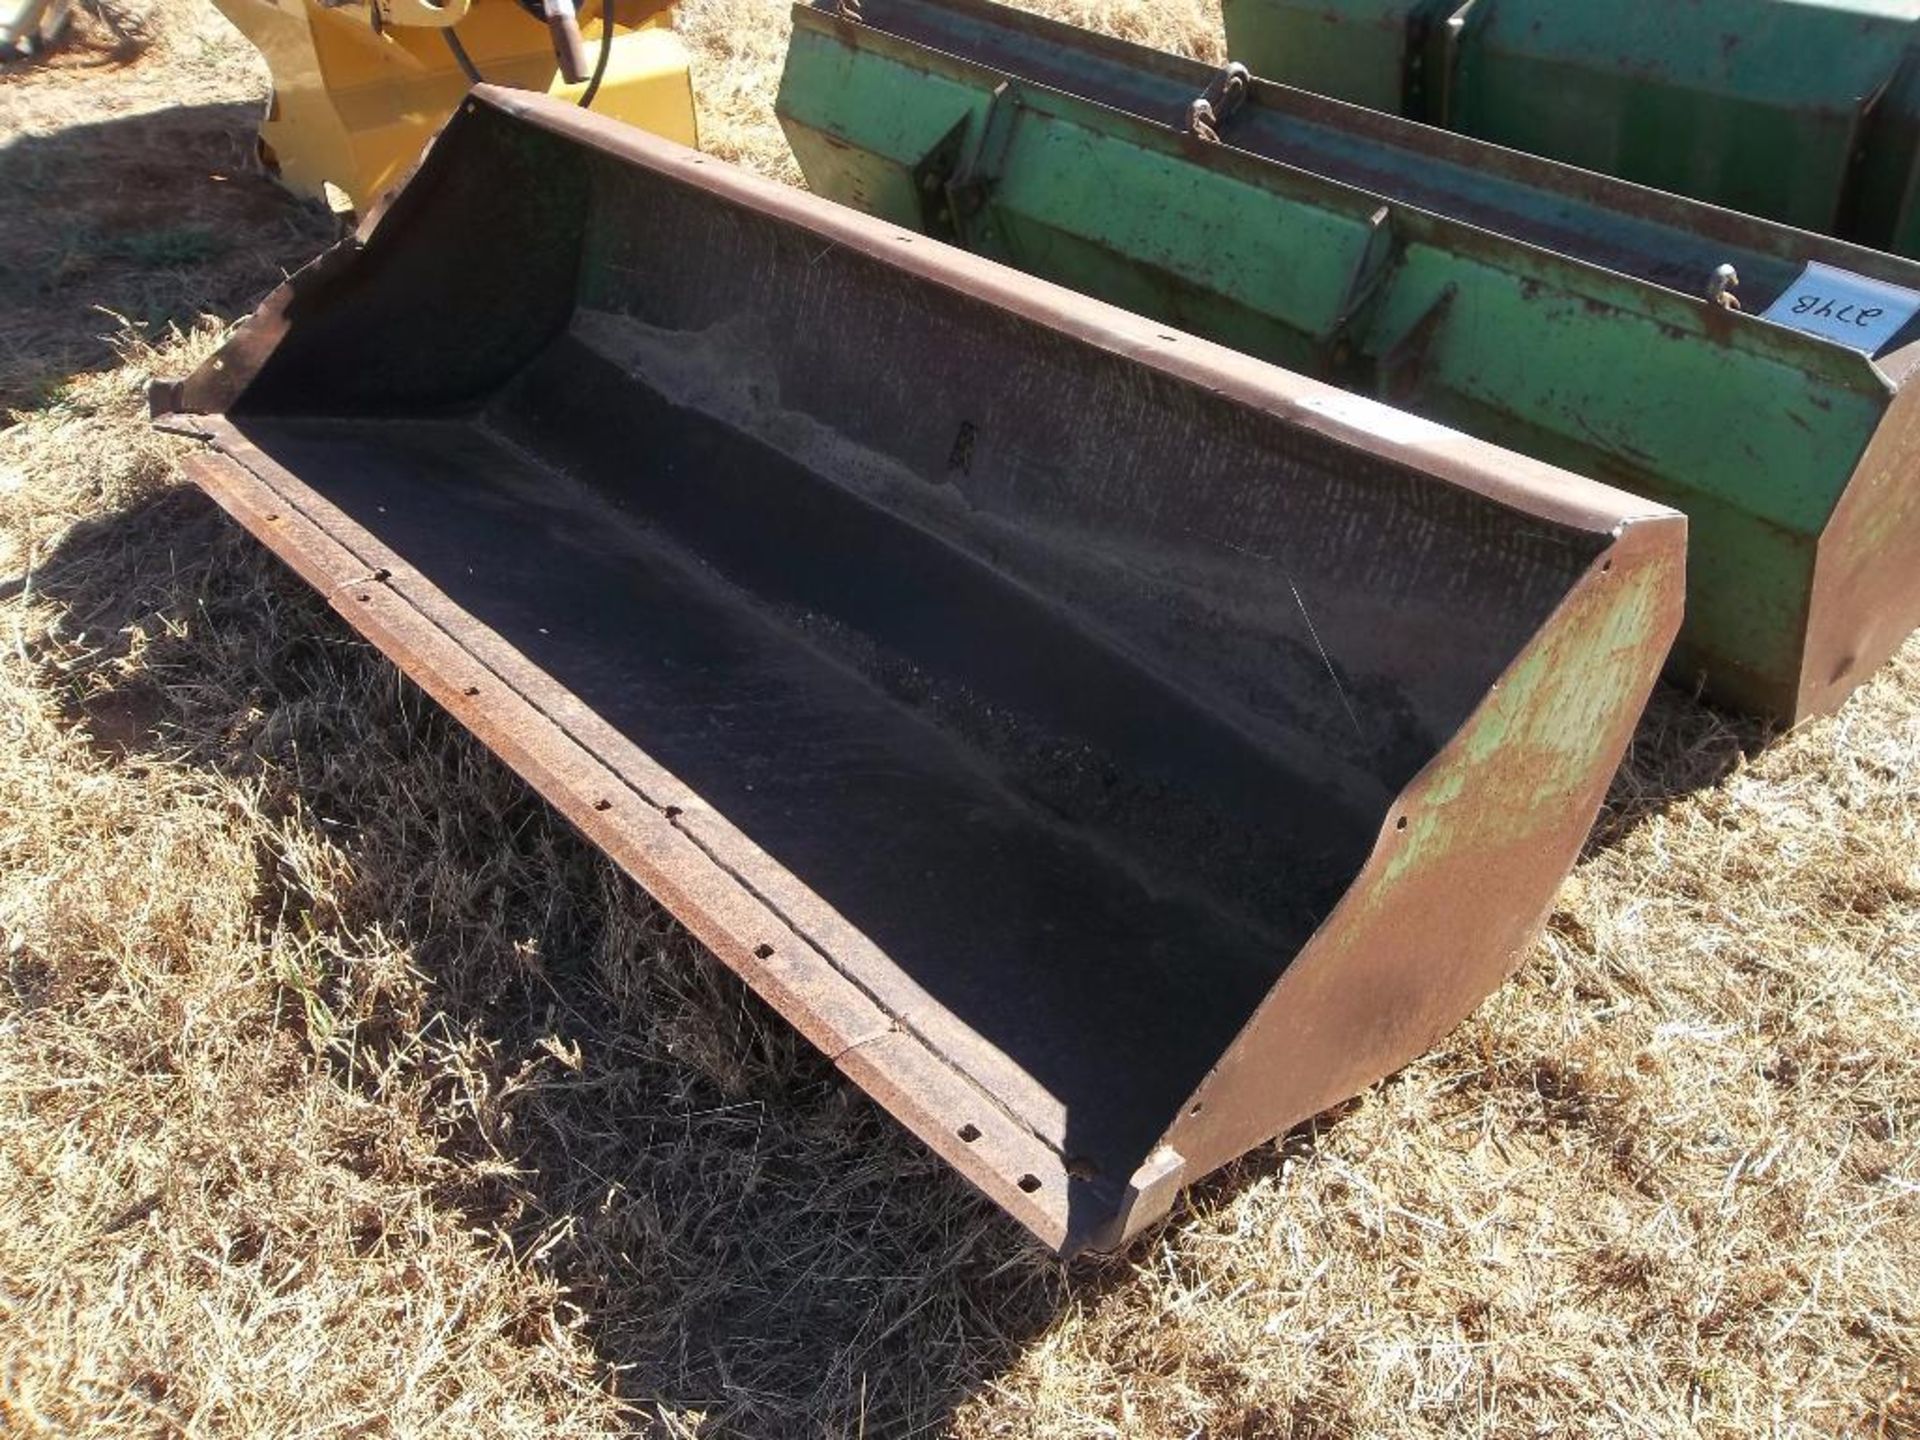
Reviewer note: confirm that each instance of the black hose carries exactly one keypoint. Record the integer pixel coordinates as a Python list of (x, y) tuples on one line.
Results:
[(606, 54), (472, 71), (460, 56)]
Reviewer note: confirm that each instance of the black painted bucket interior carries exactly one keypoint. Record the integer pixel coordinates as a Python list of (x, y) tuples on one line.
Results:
[(1079, 689)]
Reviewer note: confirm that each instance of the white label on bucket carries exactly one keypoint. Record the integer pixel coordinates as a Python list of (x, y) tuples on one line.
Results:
[(1850, 309)]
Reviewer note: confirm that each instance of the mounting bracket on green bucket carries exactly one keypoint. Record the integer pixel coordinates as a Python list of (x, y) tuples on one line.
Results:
[(958, 174), (1805, 113), (1653, 342), (1108, 749)]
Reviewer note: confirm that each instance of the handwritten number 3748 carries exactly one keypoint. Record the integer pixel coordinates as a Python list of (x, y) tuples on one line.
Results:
[(1818, 308)]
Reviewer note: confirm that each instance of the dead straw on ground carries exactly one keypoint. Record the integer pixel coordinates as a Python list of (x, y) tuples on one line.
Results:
[(344, 1091)]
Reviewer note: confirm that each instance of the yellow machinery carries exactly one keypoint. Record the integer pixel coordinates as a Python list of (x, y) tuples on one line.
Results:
[(359, 87), (32, 27)]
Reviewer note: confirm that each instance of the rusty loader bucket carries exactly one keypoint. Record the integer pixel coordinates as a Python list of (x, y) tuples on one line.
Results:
[(1805, 113), (1711, 361), (1109, 749)]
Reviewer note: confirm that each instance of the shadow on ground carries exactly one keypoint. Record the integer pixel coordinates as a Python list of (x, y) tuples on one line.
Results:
[(155, 220), (1681, 746)]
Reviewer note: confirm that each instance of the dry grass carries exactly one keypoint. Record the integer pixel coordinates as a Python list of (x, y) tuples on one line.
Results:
[(739, 46), (344, 1091)]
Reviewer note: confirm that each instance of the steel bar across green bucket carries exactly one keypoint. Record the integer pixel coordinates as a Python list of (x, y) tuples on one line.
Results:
[(1804, 113), (1582, 320)]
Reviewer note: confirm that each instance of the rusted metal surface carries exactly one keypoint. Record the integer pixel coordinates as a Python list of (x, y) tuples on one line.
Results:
[(1062, 721)]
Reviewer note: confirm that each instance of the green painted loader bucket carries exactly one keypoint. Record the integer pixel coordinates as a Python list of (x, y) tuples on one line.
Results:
[(1804, 113), (1108, 749), (1587, 322)]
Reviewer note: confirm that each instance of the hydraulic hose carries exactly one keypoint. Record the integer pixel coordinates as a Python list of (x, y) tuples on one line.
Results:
[(460, 56), (606, 54)]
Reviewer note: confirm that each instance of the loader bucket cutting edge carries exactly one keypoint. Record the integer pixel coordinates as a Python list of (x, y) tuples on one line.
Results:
[(1564, 314), (1109, 750)]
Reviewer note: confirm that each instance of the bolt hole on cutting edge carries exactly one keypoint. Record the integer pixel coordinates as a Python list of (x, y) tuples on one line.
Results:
[(763, 952), (1030, 1183), (968, 1133)]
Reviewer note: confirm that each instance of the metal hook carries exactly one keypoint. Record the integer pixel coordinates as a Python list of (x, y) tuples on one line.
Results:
[(1721, 287), (1216, 104)]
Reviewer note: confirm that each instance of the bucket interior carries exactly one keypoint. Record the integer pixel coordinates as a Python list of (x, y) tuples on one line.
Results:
[(1077, 692)]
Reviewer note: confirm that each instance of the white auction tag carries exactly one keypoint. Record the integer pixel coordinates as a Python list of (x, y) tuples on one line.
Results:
[(1859, 313)]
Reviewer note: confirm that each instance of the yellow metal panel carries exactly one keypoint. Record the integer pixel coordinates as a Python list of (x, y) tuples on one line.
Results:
[(355, 101)]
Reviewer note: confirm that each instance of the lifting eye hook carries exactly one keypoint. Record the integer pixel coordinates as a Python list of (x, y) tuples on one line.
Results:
[(1216, 104), (1720, 288)]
